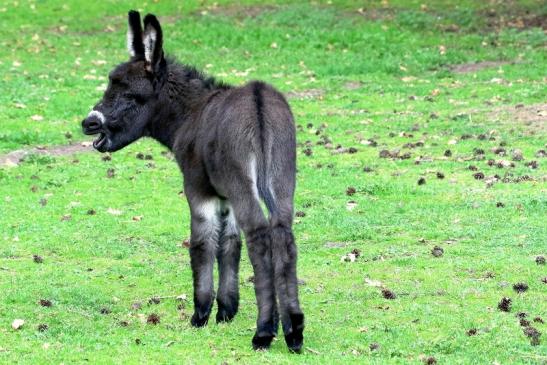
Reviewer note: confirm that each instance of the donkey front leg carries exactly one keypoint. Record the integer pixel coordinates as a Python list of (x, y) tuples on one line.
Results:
[(203, 242)]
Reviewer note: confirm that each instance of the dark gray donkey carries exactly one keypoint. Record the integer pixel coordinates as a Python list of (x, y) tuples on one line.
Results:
[(236, 147)]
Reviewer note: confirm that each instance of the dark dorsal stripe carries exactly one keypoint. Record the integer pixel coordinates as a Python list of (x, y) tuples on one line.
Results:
[(257, 93)]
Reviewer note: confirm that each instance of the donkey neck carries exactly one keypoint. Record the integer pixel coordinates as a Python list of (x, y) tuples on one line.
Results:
[(182, 96)]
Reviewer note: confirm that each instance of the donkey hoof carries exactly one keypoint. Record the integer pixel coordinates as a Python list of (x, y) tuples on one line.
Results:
[(294, 342), (262, 342), (198, 321), (295, 338), (225, 316)]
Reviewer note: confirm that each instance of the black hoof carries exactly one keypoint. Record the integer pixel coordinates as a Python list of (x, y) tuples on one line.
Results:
[(198, 321), (224, 315), (295, 338), (262, 342)]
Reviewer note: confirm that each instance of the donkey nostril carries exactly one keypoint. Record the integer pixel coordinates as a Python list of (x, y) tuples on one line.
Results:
[(91, 123)]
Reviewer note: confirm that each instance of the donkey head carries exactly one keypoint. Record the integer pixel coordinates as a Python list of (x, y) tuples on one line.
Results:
[(131, 98)]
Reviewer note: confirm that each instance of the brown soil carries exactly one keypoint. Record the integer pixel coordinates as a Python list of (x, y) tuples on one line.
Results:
[(306, 94), (530, 115), (235, 11), (474, 67), (14, 158)]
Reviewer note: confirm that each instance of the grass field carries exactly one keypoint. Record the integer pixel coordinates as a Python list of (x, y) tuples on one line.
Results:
[(421, 196)]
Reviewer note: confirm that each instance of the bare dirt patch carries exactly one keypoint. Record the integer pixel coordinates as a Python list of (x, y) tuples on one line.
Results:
[(534, 115), (14, 158), (474, 67), (306, 94), (353, 85), (235, 11), (511, 17)]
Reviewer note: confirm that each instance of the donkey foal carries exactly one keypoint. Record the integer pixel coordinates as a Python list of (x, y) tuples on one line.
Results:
[(236, 147)]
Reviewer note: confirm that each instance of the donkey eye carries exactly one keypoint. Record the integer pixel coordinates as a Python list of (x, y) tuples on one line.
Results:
[(136, 97)]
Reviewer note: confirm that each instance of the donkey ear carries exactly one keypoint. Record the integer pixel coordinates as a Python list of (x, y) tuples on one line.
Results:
[(153, 43), (134, 35)]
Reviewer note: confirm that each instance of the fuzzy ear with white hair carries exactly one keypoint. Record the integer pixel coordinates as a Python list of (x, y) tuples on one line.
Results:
[(135, 45), (153, 44)]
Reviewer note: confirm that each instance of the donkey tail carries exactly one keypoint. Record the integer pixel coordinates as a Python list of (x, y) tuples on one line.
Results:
[(276, 151)]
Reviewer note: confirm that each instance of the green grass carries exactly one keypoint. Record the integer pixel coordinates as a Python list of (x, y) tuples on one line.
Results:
[(378, 73)]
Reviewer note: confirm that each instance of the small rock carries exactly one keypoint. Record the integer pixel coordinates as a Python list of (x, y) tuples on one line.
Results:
[(43, 327), (520, 287), (533, 334), (154, 300), (437, 251), (153, 318), (505, 304), (388, 294), (517, 155), (45, 302), (472, 332)]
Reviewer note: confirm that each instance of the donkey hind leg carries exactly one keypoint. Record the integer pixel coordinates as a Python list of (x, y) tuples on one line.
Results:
[(286, 285), (284, 256), (256, 228), (203, 242), (228, 256)]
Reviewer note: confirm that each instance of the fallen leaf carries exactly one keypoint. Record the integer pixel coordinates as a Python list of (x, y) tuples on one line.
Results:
[(351, 205), (375, 283), (350, 257), (114, 211), (17, 324), (442, 49)]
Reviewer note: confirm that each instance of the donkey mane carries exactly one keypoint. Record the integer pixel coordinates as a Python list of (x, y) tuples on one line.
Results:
[(190, 73), (185, 90)]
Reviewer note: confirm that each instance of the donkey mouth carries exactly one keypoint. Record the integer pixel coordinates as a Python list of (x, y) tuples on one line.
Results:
[(100, 141)]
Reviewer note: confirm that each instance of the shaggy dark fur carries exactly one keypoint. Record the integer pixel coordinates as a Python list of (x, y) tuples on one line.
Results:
[(235, 146)]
